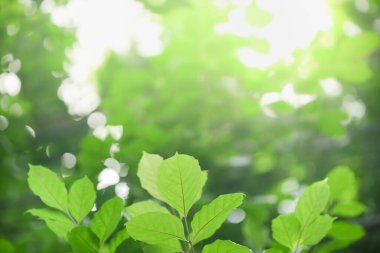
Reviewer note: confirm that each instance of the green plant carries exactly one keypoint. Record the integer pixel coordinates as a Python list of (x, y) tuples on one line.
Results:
[(178, 181), (306, 227), (66, 217), (164, 224)]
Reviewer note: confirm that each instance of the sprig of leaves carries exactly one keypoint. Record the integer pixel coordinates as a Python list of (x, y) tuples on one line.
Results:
[(178, 181), (69, 209)]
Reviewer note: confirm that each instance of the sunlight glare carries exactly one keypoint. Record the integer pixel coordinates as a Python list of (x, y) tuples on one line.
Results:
[(101, 26), (295, 23)]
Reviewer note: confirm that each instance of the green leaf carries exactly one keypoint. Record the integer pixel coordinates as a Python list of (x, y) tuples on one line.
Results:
[(107, 218), (255, 232), (56, 221), (6, 246), (82, 240), (118, 240), (286, 230), (346, 231), (312, 202), (211, 216), (180, 182), (142, 207), (48, 186), (348, 209), (157, 228), (147, 173), (204, 177), (343, 185), (274, 250), (82, 196), (157, 248), (220, 246), (318, 229)]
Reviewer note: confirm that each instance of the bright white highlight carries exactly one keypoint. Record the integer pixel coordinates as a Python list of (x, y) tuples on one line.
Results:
[(101, 26), (287, 206), (112, 163), (351, 29), (362, 5), (122, 190), (81, 98), (354, 108), (331, 87), (288, 95), (236, 216), (68, 160), (10, 84), (295, 23), (30, 131), (96, 119), (102, 132), (240, 161), (106, 178)]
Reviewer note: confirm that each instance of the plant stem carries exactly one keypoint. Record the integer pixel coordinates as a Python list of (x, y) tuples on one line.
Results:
[(190, 244)]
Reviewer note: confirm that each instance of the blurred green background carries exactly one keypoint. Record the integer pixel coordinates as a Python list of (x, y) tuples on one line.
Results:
[(268, 95)]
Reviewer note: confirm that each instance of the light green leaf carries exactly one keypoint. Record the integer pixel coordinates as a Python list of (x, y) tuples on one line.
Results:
[(142, 207), (348, 209), (82, 240), (220, 246), (274, 250), (211, 216), (81, 198), (171, 246), (157, 228), (118, 240), (342, 182), (318, 229), (286, 230), (147, 173), (48, 186), (204, 177), (346, 231), (107, 218), (56, 221), (312, 202), (180, 182)]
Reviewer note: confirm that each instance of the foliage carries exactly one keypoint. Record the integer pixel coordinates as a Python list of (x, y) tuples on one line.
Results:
[(168, 230), (198, 98)]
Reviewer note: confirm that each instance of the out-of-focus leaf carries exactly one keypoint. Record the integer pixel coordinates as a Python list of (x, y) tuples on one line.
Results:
[(342, 183), (348, 209), (6, 246), (346, 231)]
